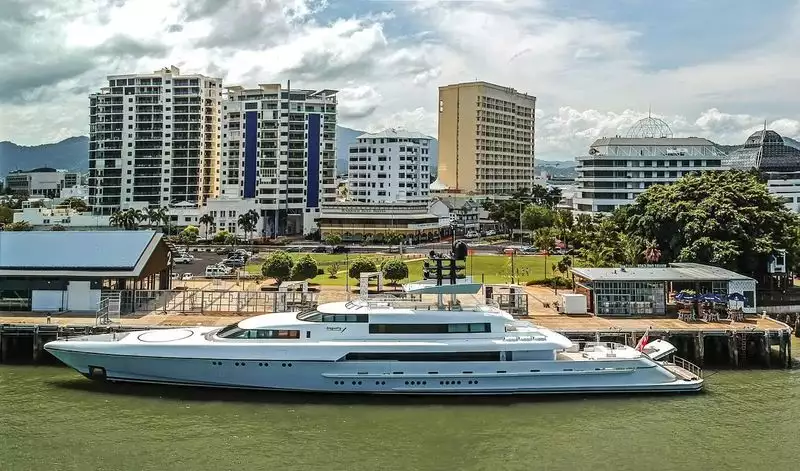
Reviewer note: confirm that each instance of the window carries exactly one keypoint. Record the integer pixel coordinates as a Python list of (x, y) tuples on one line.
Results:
[(233, 331), (429, 328), (433, 356), (316, 316)]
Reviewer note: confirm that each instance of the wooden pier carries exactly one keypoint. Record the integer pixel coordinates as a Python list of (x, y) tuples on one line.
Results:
[(755, 342)]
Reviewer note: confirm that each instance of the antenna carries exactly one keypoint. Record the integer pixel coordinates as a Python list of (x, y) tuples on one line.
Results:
[(649, 110)]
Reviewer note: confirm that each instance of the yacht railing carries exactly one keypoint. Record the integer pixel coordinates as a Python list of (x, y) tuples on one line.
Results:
[(418, 303), (688, 366)]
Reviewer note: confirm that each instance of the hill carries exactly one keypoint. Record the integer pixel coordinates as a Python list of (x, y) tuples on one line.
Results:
[(69, 154)]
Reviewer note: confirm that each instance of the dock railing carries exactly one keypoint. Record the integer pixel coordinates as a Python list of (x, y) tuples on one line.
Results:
[(688, 366)]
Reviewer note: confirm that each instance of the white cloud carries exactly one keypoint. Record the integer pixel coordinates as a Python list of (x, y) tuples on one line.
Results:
[(590, 76)]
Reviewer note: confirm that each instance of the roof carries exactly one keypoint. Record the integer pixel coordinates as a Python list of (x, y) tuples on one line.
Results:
[(394, 134), (122, 252), (459, 203), (437, 185), (766, 151), (652, 141), (671, 272)]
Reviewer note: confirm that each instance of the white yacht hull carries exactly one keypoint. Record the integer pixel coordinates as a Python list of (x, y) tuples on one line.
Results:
[(378, 377)]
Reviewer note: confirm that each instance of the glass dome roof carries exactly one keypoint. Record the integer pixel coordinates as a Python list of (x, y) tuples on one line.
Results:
[(765, 151), (649, 127)]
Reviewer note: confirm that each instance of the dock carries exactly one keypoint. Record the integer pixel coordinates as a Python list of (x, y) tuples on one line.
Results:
[(758, 341)]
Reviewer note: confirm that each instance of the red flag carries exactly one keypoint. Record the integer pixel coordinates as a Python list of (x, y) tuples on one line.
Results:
[(643, 341)]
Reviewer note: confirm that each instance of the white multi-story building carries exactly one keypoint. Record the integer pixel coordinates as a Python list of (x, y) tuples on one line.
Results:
[(389, 166), (279, 150), (42, 182), (153, 139), (618, 169)]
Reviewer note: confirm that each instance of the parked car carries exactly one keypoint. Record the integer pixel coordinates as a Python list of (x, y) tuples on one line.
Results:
[(223, 251), (491, 232), (176, 276), (528, 249), (320, 249), (215, 271), (182, 259), (187, 276), (472, 234), (234, 262), (294, 248), (340, 249)]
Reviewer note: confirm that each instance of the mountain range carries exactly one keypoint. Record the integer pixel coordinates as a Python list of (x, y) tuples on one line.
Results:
[(72, 154)]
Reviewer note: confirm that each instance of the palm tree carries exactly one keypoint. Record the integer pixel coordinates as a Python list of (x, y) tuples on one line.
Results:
[(206, 220), (248, 222), (652, 253), (631, 249), (545, 241)]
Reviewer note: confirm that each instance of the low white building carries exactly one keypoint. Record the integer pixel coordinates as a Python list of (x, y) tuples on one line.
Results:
[(366, 222), (389, 166), (45, 218), (226, 211), (42, 182)]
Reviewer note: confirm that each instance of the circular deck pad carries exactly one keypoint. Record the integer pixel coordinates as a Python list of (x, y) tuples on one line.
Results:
[(165, 335)]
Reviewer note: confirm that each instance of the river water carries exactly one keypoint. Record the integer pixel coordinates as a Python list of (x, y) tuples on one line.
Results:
[(51, 418)]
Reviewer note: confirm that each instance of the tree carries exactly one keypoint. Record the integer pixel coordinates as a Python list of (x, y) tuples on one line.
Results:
[(393, 238), (58, 228), (333, 239), (333, 269), (6, 215), (248, 222), (544, 196), (536, 217), (77, 204), (20, 226), (189, 234), (278, 266), (545, 240), (631, 249), (564, 222), (723, 218), (127, 219), (304, 268), (395, 270), (361, 265), (221, 237), (206, 220), (652, 253)]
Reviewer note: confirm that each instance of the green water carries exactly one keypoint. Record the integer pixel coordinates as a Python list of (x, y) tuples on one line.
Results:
[(53, 419)]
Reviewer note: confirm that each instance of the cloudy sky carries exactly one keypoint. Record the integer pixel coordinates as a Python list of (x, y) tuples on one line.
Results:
[(712, 68)]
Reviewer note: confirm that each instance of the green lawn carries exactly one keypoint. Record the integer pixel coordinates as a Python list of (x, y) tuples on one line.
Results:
[(494, 268)]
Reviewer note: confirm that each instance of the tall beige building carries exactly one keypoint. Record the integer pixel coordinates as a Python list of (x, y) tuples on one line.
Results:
[(485, 138)]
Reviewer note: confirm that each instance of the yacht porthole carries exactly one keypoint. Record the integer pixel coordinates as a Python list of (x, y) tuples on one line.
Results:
[(290, 365), (354, 383), (476, 382), (458, 382), (283, 365), (383, 382), (241, 364), (406, 382), (237, 363), (424, 382), (441, 382), (359, 383), (260, 364), (377, 383)]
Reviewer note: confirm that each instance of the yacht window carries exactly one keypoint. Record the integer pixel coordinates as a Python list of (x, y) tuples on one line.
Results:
[(427, 356), (234, 332), (316, 316), (429, 328)]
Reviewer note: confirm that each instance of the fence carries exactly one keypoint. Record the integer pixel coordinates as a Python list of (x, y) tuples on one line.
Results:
[(212, 301)]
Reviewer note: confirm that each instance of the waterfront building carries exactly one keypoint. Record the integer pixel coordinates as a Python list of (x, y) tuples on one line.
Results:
[(153, 139), (464, 214), (651, 290), (779, 163), (617, 169), (389, 166), (360, 222), (67, 271), (41, 182), (486, 138), (278, 154)]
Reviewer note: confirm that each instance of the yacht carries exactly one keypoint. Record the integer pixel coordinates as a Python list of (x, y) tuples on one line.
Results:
[(382, 346)]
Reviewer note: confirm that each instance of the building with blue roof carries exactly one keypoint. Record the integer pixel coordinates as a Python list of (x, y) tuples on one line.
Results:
[(67, 271)]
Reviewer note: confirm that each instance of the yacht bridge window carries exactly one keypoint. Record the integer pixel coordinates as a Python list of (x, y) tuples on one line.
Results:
[(233, 331), (475, 327), (316, 316)]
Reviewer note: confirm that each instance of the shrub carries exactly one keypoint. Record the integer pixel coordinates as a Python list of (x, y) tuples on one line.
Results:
[(333, 239), (220, 237), (320, 271), (58, 227), (359, 266), (395, 270), (333, 269), (304, 268), (278, 265)]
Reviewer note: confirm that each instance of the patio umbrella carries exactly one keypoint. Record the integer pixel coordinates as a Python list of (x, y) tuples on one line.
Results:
[(711, 298), (686, 297), (739, 297)]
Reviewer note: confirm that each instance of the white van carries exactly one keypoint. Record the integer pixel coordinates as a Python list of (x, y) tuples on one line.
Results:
[(214, 271)]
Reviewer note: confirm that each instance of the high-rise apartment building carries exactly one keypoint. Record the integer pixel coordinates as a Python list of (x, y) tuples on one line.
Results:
[(153, 140), (486, 138), (389, 166), (279, 148)]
